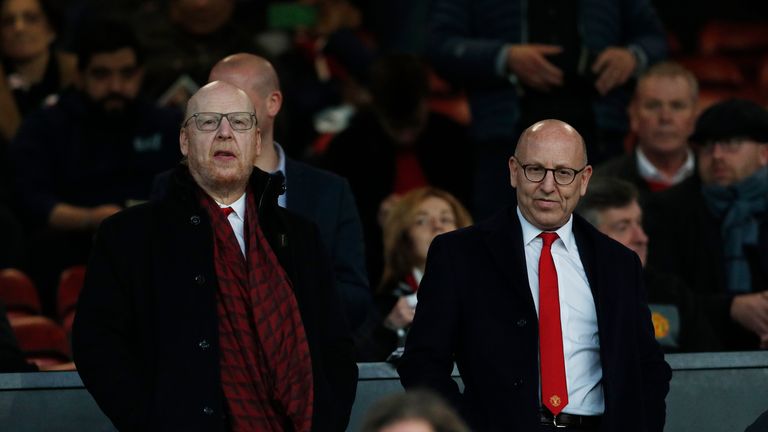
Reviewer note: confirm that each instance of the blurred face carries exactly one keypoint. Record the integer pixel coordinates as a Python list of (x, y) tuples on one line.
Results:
[(548, 205), (408, 426), (433, 216), (113, 79), (25, 32), (220, 159), (625, 225), (201, 16), (663, 114), (728, 162)]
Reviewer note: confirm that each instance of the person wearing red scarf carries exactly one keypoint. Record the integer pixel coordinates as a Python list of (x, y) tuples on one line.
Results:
[(212, 308)]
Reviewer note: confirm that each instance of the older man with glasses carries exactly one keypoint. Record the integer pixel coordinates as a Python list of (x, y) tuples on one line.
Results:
[(712, 230), (213, 308), (544, 315)]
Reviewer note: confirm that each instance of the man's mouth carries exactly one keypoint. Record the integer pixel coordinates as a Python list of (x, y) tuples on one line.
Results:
[(223, 154)]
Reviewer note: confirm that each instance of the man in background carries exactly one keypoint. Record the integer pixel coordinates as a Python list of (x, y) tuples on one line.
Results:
[(90, 155), (662, 115)]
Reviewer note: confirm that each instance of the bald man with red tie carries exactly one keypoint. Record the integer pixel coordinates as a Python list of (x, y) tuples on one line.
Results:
[(545, 316)]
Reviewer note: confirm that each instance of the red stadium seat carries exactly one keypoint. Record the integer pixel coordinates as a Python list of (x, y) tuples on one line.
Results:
[(18, 293), (42, 341)]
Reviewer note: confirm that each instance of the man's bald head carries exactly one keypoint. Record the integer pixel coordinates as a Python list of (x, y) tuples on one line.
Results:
[(552, 129), (252, 73)]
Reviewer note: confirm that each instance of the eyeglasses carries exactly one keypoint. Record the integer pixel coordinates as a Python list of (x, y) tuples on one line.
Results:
[(210, 121), (727, 146), (536, 173)]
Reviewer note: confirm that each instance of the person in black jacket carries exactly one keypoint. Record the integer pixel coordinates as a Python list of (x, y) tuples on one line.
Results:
[(680, 325), (197, 318)]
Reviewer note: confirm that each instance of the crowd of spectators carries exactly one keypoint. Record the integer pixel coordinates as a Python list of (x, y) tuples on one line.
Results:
[(91, 95)]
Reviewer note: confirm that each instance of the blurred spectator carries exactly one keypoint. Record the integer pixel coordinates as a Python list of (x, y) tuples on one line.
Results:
[(662, 115), (612, 206), (93, 153), (31, 72), (396, 146), (524, 61), (184, 40), (323, 70), (411, 224), (415, 411), (712, 230)]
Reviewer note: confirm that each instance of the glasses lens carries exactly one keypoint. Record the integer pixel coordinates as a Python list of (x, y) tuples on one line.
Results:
[(240, 120), (564, 176), (208, 121), (535, 173)]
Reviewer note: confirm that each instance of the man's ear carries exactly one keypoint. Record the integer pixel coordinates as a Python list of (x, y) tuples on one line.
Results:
[(184, 141), (257, 143), (585, 176), (274, 103), (513, 167)]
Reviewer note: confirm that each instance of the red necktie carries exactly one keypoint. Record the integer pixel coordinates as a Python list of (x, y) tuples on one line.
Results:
[(554, 390), (227, 211)]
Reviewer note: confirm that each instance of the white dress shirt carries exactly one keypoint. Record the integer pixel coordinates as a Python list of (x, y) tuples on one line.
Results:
[(237, 220), (578, 317), (649, 172)]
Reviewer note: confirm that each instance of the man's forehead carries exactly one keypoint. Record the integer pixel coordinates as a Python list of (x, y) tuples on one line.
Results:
[(223, 100), (118, 58)]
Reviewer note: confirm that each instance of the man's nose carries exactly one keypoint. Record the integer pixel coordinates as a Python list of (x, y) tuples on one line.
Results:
[(548, 184), (225, 129), (116, 83), (639, 235)]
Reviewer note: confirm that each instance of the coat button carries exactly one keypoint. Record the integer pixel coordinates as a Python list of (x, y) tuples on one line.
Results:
[(199, 279), (194, 220), (208, 411), (203, 344), (517, 382), (521, 323)]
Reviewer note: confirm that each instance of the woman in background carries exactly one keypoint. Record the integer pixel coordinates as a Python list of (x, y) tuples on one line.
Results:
[(409, 228), (31, 71)]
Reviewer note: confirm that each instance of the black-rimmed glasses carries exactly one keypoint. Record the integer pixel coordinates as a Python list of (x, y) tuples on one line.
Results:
[(536, 173), (210, 121)]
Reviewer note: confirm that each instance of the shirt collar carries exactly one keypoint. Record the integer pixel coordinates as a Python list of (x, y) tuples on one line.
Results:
[(530, 232), (238, 206), (650, 172)]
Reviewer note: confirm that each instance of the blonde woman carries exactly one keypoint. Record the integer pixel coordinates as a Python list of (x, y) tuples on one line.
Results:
[(409, 228)]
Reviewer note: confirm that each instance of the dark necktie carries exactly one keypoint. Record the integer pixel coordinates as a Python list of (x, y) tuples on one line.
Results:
[(554, 390)]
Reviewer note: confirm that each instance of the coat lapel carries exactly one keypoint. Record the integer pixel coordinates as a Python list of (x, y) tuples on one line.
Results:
[(504, 238)]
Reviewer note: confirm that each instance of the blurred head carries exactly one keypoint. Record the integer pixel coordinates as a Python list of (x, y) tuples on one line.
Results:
[(663, 111), (201, 17), (731, 140), (399, 89), (27, 28), (109, 60), (220, 150), (411, 225), (257, 77), (611, 206), (550, 173), (414, 411)]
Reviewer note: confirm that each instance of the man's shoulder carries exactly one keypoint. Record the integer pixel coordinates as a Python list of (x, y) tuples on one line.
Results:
[(315, 175)]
